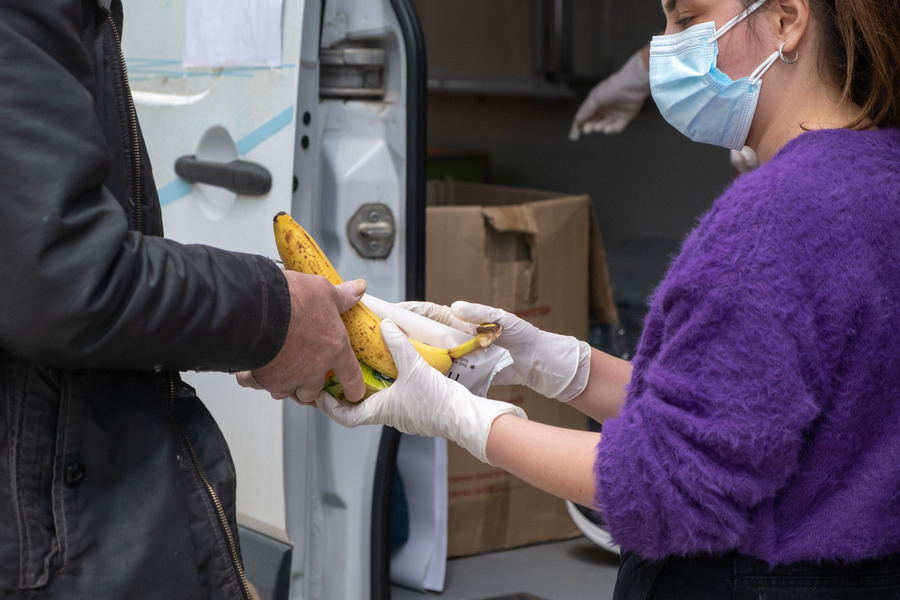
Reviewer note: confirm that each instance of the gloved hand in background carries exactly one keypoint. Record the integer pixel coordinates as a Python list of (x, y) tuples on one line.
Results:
[(553, 365), (615, 101), (422, 401)]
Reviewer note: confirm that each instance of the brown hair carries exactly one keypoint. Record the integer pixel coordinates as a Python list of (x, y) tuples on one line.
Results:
[(861, 51)]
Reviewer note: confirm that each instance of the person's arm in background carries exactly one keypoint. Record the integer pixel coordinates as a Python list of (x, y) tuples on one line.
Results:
[(614, 102)]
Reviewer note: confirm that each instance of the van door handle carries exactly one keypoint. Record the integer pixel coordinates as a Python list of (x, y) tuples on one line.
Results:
[(239, 176)]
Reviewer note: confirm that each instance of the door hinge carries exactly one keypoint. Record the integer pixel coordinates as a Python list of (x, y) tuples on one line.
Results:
[(352, 73)]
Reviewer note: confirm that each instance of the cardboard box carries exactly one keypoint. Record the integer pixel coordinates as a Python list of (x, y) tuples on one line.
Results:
[(539, 255)]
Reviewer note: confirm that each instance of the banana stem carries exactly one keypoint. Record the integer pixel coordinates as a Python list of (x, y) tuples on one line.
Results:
[(487, 334)]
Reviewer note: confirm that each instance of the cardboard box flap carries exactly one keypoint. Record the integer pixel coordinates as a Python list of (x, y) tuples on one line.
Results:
[(519, 218)]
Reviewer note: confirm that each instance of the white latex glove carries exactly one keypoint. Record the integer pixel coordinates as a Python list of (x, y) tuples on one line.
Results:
[(744, 160), (556, 366), (422, 401), (615, 101)]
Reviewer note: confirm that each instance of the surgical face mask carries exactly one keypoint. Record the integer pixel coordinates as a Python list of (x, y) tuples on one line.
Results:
[(693, 95)]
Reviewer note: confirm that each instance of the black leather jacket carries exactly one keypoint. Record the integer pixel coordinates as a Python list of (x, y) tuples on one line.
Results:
[(114, 480)]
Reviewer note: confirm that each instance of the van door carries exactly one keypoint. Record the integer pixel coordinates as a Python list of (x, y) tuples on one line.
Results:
[(319, 113)]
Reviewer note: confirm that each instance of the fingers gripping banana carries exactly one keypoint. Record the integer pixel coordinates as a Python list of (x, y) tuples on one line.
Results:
[(300, 252)]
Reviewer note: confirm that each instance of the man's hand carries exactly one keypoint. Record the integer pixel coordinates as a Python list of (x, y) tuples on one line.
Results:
[(316, 343)]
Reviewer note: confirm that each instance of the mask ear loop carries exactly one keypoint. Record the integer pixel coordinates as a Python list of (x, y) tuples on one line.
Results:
[(761, 69), (740, 17)]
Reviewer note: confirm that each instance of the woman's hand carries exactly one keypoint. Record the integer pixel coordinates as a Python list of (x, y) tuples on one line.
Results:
[(422, 401), (553, 365)]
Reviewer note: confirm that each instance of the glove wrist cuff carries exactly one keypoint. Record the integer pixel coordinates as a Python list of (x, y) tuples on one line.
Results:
[(487, 412), (580, 377)]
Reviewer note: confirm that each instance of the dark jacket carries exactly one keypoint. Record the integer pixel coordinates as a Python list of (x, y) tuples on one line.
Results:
[(114, 480)]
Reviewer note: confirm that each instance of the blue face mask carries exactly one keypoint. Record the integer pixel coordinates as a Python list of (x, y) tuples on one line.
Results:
[(693, 95)]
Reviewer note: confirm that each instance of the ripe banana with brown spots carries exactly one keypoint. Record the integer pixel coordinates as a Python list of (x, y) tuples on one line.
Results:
[(300, 252)]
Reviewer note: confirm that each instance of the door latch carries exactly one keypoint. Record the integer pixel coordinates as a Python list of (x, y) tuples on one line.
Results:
[(371, 230)]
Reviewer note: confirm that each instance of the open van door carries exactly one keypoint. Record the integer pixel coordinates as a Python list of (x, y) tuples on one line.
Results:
[(326, 122)]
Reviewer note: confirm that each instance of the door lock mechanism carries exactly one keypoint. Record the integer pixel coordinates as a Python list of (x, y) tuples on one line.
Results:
[(371, 230)]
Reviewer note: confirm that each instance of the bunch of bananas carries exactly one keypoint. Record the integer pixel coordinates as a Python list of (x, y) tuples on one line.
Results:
[(300, 252)]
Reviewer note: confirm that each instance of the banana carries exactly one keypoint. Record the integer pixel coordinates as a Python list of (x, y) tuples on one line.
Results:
[(300, 252)]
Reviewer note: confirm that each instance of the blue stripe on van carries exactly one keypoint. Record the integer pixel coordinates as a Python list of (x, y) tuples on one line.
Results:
[(179, 188), (265, 131)]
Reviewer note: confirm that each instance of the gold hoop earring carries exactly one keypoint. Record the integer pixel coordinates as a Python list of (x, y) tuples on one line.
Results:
[(785, 60)]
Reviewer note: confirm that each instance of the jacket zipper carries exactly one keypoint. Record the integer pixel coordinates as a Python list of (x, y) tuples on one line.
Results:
[(132, 121), (217, 503), (220, 510)]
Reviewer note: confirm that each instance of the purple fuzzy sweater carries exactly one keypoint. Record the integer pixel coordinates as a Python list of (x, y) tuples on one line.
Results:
[(763, 414)]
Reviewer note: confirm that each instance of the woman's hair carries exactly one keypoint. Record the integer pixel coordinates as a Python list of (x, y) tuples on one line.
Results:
[(861, 54)]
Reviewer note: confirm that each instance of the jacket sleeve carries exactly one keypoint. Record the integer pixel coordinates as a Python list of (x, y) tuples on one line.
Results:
[(78, 288), (722, 394)]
